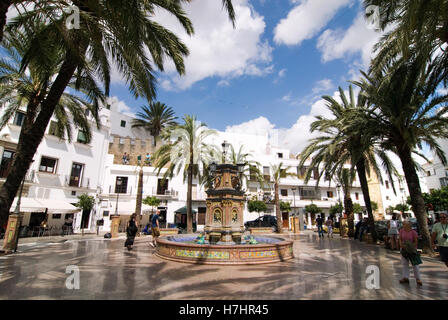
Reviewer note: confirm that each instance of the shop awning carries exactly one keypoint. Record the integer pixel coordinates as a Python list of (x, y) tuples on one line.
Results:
[(129, 208), (42, 205), (58, 206), (183, 210), (28, 205)]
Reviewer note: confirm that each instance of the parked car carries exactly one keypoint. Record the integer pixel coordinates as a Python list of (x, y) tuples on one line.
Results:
[(264, 222)]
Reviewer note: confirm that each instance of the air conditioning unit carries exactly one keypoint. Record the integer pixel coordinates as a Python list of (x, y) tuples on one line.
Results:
[(325, 199)]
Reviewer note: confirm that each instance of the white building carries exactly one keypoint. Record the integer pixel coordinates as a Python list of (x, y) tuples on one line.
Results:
[(60, 172)]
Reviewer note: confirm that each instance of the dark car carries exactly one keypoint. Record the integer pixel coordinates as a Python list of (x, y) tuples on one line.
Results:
[(264, 222)]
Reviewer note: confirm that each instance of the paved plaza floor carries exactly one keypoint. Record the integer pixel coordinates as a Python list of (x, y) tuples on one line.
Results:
[(321, 269)]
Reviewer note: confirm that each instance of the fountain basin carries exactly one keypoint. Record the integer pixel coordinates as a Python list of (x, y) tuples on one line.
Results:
[(181, 248)]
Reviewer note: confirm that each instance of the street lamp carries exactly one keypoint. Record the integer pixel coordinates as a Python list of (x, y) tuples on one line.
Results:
[(225, 146), (294, 215)]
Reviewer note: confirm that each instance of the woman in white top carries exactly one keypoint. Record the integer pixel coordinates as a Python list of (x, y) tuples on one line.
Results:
[(392, 232)]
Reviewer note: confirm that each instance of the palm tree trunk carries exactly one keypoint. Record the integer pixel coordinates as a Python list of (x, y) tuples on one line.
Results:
[(277, 210), (348, 205), (189, 193), (31, 136), (415, 192), (4, 6), (361, 168), (138, 203)]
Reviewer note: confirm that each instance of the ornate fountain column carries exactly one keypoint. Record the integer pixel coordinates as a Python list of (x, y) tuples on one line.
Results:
[(225, 204)]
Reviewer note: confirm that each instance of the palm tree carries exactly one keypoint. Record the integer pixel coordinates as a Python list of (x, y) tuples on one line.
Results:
[(415, 24), (118, 31), (407, 113), (6, 4), (26, 87), (155, 118), (345, 141), (345, 177), (279, 172), (185, 151)]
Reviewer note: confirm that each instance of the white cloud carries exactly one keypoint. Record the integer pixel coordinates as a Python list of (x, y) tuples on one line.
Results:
[(442, 91), (306, 20), (282, 73), (216, 48), (120, 106), (322, 86), (294, 138), (358, 38), (223, 83), (259, 126)]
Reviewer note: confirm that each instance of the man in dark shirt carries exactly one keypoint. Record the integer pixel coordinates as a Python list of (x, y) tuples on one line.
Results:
[(320, 229)]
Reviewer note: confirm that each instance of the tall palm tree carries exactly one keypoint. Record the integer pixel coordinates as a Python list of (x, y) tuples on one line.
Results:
[(155, 118), (415, 24), (185, 150), (406, 114), (251, 166), (27, 88), (7, 4), (344, 141), (119, 31), (345, 178), (278, 172)]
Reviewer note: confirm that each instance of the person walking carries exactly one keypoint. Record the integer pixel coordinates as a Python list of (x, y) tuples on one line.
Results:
[(329, 224), (408, 245), (364, 228), (440, 234), (131, 231), (155, 228), (320, 229), (392, 232)]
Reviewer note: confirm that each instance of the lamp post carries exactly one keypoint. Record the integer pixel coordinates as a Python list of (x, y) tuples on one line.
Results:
[(294, 215)]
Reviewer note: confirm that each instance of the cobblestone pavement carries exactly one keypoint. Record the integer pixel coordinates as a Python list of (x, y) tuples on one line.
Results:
[(321, 269)]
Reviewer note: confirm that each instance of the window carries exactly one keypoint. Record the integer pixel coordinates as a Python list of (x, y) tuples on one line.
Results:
[(73, 193), (308, 193), (75, 176), (105, 213), (82, 137), (284, 192), (387, 184), (315, 173), (329, 194), (5, 164), (123, 124), (53, 130), (387, 198), (121, 184), (266, 171), (428, 173), (162, 186), (19, 118), (48, 165), (356, 195), (56, 216), (280, 155)]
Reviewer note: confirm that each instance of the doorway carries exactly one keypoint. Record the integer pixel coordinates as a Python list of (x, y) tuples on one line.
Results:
[(285, 218)]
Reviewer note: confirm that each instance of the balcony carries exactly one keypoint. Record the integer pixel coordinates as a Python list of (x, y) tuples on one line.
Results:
[(30, 176), (75, 182)]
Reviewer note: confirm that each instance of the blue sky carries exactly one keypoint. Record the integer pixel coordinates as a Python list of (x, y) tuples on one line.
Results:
[(268, 73)]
